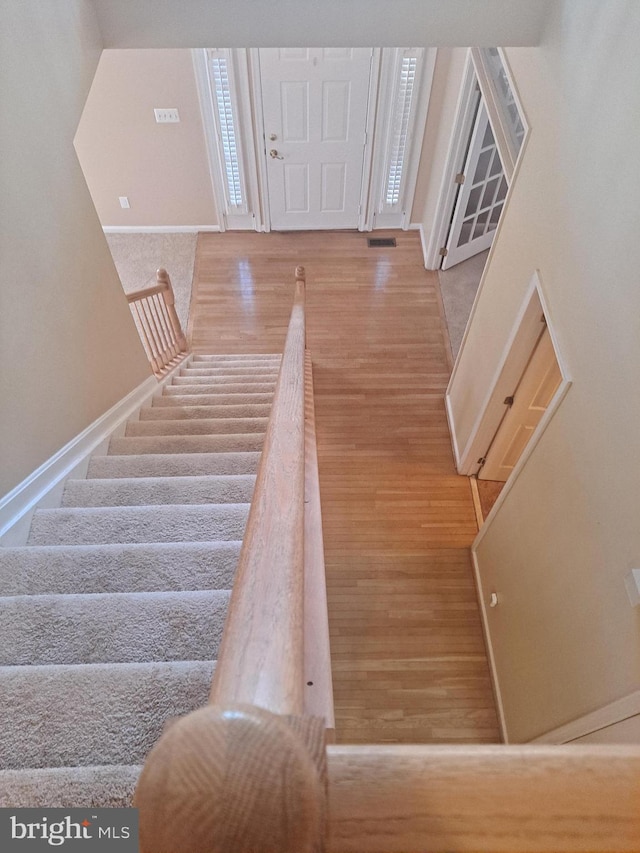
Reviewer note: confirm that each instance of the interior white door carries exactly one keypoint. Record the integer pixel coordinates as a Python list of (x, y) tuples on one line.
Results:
[(314, 103), (481, 196), (534, 393)]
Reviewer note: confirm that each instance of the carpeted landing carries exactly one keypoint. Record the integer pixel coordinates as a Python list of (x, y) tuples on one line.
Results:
[(111, 615)]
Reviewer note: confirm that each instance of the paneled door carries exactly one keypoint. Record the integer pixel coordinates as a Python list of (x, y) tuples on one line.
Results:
[(315, 103), (534, 393), (480, 198)]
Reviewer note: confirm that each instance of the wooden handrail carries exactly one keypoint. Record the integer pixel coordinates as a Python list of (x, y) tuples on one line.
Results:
[(154, 312), (236, 779), (262, 652)]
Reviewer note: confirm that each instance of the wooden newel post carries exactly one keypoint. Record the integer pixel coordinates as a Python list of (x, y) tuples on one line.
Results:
[(162, 277), (234, 780)]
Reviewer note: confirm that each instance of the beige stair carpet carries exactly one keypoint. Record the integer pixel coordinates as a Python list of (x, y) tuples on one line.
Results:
[(111, 616)]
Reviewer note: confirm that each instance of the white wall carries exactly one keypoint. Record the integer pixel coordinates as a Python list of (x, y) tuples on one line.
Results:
[(291, 23), (161, 168), (565, 638), (68, 346)]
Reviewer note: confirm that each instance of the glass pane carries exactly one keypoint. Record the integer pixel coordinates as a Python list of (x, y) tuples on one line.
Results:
[(488, 137), (496, 166), (495, 214), (502, 192), (474, 201), (481, 169), (481, 223), (405, 84), (465, 232), (489, 193), (505, 98)]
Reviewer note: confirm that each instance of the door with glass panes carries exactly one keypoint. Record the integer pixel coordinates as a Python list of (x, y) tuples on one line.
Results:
[(481, 196)]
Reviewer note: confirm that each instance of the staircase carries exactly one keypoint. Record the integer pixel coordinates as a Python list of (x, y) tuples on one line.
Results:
[(111, 615)]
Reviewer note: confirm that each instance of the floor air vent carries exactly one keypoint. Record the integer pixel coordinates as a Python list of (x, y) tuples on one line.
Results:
[(378, 242)]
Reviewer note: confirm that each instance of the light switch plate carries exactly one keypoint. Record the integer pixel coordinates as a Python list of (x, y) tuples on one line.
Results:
[(124, 202), (164, 115), (632, 583)]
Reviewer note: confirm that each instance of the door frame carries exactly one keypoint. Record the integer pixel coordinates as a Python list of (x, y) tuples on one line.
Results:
[(474, 78), (248, 99), (515, 356)]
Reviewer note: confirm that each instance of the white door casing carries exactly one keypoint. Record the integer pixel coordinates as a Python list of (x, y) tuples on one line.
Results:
[(481, 197), (315, 103), (540, 381)]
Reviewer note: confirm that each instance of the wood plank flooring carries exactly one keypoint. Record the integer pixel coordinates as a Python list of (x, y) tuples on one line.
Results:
[(409, 662)]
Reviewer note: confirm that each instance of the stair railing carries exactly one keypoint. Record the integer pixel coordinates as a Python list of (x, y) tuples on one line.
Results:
[(155, 316), (251, 773)]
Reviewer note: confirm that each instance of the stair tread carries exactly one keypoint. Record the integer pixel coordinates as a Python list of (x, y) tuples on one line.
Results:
[(229, 410), (219, 388), (173, 464), (106, 713), (157, 523), (197, 426), (224, 443), (131, 491), (136, 567), (122, 627), (93, 786), (216, 399)]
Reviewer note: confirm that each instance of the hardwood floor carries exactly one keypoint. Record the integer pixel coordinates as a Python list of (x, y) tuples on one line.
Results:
[(409, 662)]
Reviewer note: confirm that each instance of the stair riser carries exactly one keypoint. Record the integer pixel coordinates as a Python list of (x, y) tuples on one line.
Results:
[(107, 525), (201, 426), (240, 357), (268, 380), (217, 372)]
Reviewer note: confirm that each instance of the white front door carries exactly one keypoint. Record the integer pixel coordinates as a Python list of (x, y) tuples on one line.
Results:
[(480, 198), (315, 103)]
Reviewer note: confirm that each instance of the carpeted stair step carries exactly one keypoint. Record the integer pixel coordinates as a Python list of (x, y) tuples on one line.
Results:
[(52, 716), (167, 523), (190, 400), (199, 426), (226, 443), (225, 358), (71, 569), (208, 387), (230, 371), (106, 786), (129, 627), (174, 464), (146, 491), (158, 413)]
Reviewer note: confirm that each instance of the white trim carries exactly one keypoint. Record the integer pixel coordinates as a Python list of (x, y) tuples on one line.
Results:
[(205, 99), (489, 646), (390, 60), (604, 717), (419, 226), (423, 95), (159, 229), (453, 165), (452, 430), (259, 179), (367, 205), (249, 138), (43, 487)]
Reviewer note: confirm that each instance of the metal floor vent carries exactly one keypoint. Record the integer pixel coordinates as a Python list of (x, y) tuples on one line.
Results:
[(376, 242)]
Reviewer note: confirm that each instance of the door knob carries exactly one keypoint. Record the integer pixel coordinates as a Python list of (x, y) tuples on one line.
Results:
[(274, 155), (273, 136)]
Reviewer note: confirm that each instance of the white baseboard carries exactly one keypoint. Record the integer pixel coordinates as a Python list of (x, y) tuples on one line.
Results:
[(487, 639), (418, 226), (44, 486), (608, 715), (158, 229)]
